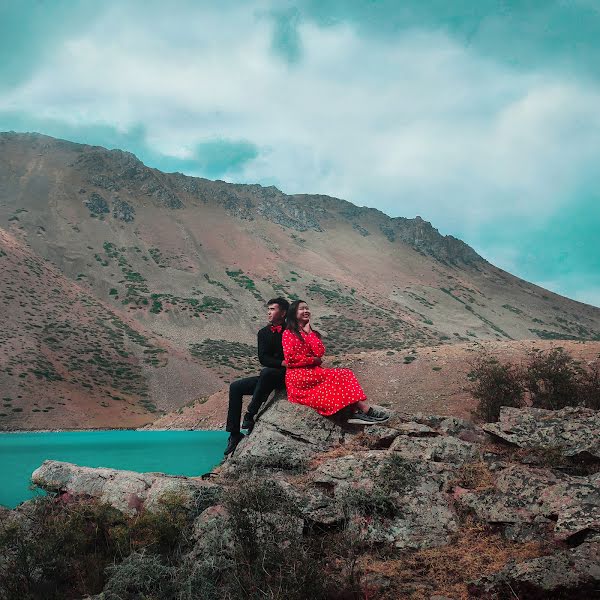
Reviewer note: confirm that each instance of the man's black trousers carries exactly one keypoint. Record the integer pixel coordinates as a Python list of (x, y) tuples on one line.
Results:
[(259, 387)]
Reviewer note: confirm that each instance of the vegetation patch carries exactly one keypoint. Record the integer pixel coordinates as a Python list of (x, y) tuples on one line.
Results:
[(245, 282), (226, 355), (551, 380)]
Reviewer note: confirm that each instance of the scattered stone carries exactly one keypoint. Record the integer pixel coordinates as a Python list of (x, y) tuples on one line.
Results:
[(123, 211)]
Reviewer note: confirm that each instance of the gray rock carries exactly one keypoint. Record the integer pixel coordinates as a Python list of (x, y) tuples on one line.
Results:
[(571, 431), (286, 436), (438, 449), (126, 491), (573, 574), (422, 517), (565, 505), (381, 437)]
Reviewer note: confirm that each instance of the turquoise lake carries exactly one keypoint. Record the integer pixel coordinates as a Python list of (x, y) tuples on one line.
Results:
[(174, 452)]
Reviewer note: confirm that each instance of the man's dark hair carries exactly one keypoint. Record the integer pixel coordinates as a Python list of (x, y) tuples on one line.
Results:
[(282, 302)]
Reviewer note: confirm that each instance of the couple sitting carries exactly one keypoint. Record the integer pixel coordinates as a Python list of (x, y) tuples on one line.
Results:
[(291, 352)]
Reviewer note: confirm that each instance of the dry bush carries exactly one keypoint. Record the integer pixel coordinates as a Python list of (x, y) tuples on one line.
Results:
[(271, 559), (552, 379), (589, 387), (494, 385)]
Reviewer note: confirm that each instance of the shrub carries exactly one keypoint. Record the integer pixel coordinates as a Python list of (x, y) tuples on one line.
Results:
[(495, 384), (140, 576), (552, 379), (271, 558), (61, 549), (58, 551), (589, 387)]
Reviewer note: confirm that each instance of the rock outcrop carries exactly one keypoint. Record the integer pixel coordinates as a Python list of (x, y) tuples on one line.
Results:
[(571, 432), (127, 491), (405, 487)]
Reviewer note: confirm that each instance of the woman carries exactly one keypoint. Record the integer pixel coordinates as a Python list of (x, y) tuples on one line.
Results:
[(325, 390)]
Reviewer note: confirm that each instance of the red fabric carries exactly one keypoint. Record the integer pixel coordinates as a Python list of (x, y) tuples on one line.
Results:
[(276, 328), (325, 390)]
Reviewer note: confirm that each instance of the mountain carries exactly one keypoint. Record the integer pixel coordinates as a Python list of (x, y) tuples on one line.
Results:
[(150, 286)]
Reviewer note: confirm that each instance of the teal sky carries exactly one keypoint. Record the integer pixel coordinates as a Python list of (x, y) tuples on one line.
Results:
[(481, 117)]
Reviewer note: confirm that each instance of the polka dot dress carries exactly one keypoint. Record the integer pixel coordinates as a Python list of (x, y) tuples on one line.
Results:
[(325, 390)]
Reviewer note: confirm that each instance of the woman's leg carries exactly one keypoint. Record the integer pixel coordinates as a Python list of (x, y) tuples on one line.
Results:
[(361, 405)]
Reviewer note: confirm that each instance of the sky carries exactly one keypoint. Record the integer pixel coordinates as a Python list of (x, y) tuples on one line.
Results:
[(481, 117)]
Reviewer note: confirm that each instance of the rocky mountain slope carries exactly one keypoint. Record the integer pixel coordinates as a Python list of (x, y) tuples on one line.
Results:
[(427, 506), (190, 262)]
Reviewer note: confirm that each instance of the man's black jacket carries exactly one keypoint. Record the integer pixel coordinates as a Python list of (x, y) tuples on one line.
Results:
[(270, 350)]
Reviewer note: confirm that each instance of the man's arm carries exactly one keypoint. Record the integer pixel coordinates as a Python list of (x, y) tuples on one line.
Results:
[(264, 356)]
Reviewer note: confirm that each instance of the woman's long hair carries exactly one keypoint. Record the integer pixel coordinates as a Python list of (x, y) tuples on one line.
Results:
[(291, 320)]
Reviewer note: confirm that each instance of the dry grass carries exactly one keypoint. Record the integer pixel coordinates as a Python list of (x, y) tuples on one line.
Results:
[(474, 476), (475, 551)]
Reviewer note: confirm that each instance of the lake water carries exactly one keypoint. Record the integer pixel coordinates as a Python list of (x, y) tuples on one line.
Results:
[(172, 452)]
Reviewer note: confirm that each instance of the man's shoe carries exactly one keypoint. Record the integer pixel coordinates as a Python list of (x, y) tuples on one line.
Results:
[(232, 442), (248, 423), (379, 415)]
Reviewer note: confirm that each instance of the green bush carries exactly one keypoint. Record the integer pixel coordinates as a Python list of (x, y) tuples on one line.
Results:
[(552, 379), (589, 387), (494, 385)]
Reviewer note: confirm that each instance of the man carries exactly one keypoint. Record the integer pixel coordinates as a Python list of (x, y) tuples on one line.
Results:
[(270, 355)]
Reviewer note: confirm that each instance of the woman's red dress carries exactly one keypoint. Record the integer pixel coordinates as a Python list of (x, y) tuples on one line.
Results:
[(325, 390)]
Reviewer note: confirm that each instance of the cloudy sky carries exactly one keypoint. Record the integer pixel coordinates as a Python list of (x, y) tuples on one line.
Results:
[(482, 117)]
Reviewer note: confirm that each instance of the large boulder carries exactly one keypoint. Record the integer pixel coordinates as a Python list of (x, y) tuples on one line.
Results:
[(528, 501), (126, 491), (288, 436), (389, 500)]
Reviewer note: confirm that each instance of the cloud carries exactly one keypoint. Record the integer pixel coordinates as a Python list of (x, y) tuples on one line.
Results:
[(422, 120)]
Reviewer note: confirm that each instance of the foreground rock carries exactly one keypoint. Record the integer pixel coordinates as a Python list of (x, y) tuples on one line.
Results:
[(288, 435), (411, 485), (127, 491), (572, 574)]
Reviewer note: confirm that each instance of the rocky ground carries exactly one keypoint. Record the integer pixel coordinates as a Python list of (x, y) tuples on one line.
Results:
[(433, 506)]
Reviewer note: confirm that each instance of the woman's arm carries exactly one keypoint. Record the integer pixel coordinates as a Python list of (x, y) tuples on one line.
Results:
[(315, 344), (294, 352)]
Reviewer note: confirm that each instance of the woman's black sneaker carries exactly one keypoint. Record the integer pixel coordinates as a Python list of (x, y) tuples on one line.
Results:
[(379, 415), (232, 442), (361, 418), (371, 417)]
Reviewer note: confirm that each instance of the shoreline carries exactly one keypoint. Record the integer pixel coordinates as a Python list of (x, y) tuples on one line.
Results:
[(102, 429)]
